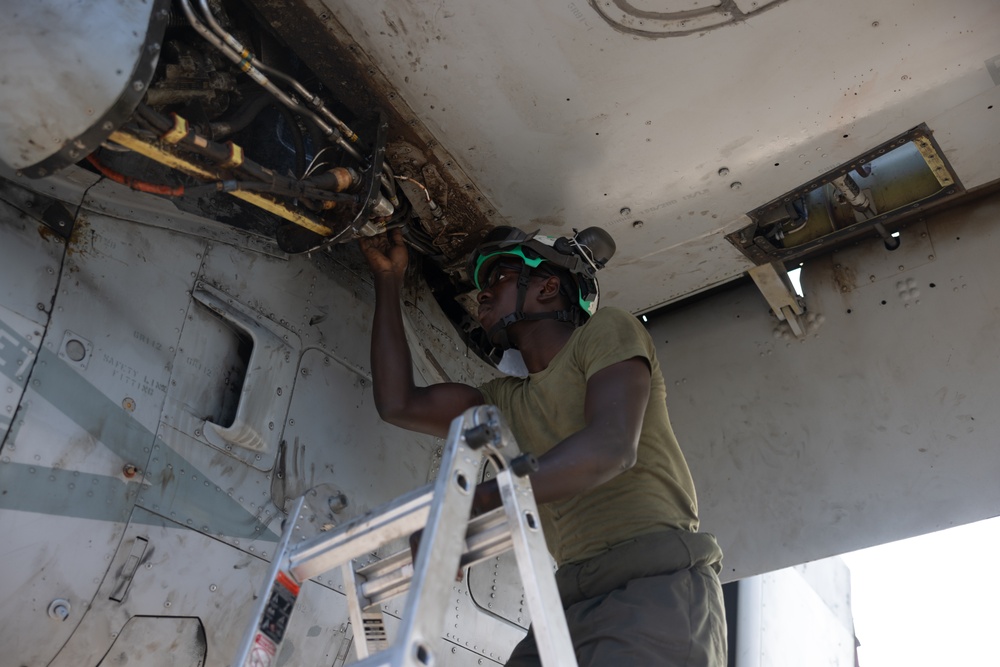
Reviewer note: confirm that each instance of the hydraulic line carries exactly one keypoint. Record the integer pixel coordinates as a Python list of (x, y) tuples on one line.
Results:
[(314, 100), (435, 209), (216, 35), (417, 183), (177, 132), (230, 156), (243, 59)]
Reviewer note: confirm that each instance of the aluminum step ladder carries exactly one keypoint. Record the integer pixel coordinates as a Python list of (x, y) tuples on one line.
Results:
[(451, 540)]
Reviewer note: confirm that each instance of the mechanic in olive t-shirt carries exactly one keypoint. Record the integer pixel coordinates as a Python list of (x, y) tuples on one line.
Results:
[(639, 586), (544, 408)]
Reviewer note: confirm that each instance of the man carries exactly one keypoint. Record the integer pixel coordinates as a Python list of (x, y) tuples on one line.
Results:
[(639, 586)]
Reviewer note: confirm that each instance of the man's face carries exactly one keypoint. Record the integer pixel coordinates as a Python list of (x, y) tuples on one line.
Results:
[(498, 298)]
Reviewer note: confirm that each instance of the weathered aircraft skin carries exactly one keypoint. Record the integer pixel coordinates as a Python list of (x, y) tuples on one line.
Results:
[(175, 372)]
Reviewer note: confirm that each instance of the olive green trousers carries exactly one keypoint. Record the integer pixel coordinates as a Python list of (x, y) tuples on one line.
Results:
[(648, 602)]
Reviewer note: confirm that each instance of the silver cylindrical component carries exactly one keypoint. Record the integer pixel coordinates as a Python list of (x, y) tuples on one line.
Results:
[(852, 193), (382, 208)]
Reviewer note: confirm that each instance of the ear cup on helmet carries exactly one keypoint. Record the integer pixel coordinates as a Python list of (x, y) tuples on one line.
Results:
[(600, 244)]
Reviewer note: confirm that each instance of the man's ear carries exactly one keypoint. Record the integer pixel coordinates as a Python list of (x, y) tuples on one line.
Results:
[(549, 290)]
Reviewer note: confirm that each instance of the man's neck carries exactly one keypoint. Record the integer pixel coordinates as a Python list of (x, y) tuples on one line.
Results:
[(539, 341)]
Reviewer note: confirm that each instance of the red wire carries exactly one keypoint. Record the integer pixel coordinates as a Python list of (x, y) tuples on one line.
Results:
[(134, 183)]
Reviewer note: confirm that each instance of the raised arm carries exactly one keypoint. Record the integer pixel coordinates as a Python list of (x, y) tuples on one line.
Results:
[(398, 400), (604, 448)]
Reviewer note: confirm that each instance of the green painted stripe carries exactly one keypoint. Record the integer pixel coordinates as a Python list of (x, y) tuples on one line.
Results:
[(71, 493), (14, 350), (182, 498), (91, 410)]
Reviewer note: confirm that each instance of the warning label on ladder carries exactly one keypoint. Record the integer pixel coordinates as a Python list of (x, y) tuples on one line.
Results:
[(262, 653)]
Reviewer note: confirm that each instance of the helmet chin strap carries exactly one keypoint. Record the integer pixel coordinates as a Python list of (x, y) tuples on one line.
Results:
[(498, 335)]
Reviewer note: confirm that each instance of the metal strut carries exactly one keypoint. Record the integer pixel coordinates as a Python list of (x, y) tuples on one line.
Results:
[(450, 540)]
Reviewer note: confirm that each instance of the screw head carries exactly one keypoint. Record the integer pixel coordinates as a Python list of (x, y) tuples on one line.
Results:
[(59, 609)]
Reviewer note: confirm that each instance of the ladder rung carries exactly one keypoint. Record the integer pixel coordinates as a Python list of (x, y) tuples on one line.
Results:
[(361, 536), (488, 536)]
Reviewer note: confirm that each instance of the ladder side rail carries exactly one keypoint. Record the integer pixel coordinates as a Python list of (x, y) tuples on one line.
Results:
[(534, 565), (255, 639), (438, 558)]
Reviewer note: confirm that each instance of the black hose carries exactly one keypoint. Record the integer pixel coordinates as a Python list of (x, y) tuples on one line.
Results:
[(251, 176), (242, 118), (419, 239)]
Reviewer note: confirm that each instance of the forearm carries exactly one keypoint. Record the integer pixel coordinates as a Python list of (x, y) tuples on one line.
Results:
[(581, 462), (576, 465), (390, 354)]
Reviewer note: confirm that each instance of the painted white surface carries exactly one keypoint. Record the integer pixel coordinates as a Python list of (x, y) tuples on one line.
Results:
[(563, 119), (211, 519), (62, 66)]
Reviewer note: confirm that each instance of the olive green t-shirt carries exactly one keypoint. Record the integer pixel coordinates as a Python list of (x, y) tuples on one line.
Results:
[(546, 407)]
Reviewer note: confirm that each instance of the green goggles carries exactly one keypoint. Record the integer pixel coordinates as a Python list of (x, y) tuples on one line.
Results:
[(480, 280), (482, 276)]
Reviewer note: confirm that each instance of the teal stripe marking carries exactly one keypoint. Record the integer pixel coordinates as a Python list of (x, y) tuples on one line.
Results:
[(71, 493), (91, 410), (14, 350), (167, 492)]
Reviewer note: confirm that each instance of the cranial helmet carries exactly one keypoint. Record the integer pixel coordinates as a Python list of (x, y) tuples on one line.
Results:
[(579, 257)]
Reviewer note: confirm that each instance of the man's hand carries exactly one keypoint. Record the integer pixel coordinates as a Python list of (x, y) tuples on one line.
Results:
[(387, 257)]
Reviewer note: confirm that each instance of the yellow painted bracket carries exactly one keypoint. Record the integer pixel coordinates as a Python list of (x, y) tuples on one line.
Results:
[(159, 154), (180, 130), (235, 155)]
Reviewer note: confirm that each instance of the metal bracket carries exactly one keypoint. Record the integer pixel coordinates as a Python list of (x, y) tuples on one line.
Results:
[(773, 282)]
